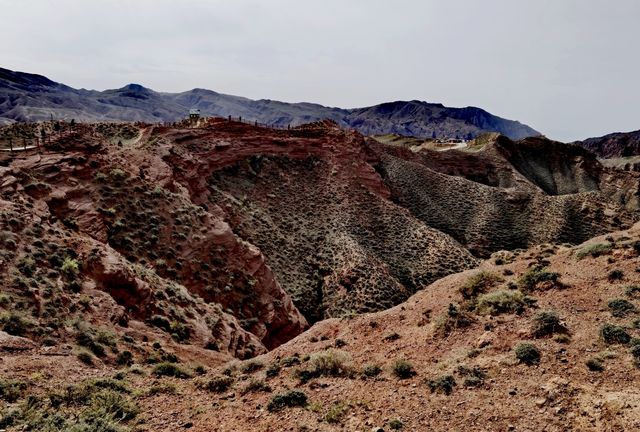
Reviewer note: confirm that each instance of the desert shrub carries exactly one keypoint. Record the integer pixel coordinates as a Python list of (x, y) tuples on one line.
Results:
[(371, 370), (402, 369), (331, 362), (180, 332), (11, 390), (614, 334), (217, 384), (391, 337), (595, 364), (339, 343), (396, 424), (70, 268), (503, 301), (273, 370), (473, 377), (85, 337), (27, 266), (535, 276), (620, 307), (117, 174), (292, 398), (15, 323), (125, 358), (632, 290), (255, 386), (615, 275), (85, 357), (594, 250), (336, 412), (170, 369), (251, 366), (443, 384), (527, 353), (635, 352), (290, 361), (109, 403), (453, 319), (547, 323), (479, 283)]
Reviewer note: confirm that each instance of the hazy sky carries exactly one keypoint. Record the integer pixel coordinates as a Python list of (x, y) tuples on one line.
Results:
[(568, 68)]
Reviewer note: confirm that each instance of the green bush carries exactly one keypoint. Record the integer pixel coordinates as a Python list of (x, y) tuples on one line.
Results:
[(292, 398), (499, 302), (402, 369), (396, 424), (443, 384), (217, 384), (170, 369), (371, 370), (530, 280), (632, 290), (620, 307), (527, 353), (595, 364), (85, 357), (70, 268), (614, 334), (15, 323), (255, 386), (594, 250), (547, 323), (453, 319), (11, 390), (251, 366), (479, 283), (615, 275), (336, 412), (473, 377), (331, 362)]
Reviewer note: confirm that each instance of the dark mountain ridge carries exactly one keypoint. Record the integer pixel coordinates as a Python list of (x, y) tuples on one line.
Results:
[(614, 145), (31, 97)]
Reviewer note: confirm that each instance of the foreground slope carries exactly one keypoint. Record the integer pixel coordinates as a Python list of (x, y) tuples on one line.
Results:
[(29, 97), (447, 359)]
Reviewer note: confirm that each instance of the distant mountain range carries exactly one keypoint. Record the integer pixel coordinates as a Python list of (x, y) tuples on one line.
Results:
[(619, 144), (29, 97)]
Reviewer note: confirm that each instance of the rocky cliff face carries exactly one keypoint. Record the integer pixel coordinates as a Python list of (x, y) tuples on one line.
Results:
[(236, 237)]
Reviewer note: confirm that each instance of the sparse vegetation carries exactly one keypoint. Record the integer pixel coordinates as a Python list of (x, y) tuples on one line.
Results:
[(594, 250), (171, 370), (535, 277), (292, 398), (453, 319), (255, 386), (336, 412), (499, 302), (595, 364), (614, 334), (396, 424), (620, 307), (217, 384), (371, 370), (615, 275), (402, 369), (479, 283), (443, 384), (527, 353), (547, 323)]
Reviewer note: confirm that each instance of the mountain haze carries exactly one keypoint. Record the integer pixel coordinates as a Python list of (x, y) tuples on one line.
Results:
[(30, 97)]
